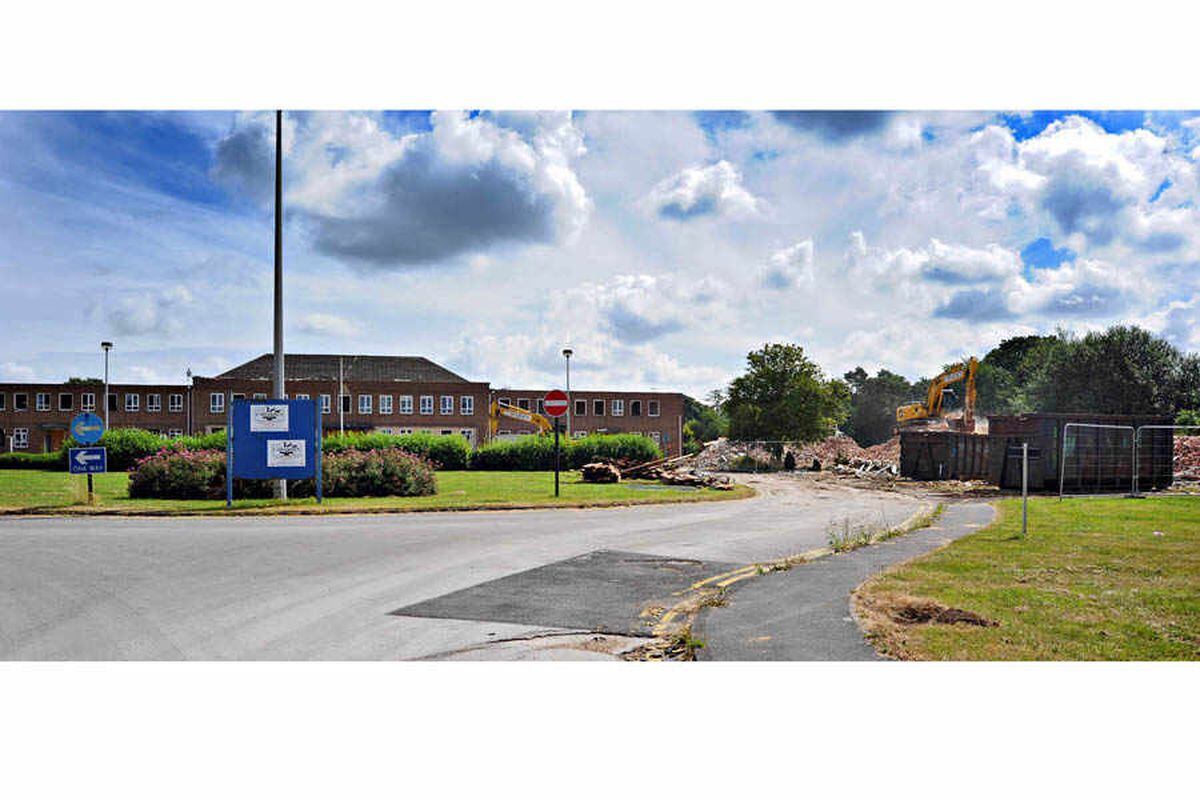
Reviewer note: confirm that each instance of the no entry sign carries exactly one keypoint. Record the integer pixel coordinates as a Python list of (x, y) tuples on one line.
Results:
[(555, 403)]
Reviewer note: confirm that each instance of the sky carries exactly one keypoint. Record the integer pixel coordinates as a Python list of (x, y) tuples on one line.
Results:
[(661, 246)]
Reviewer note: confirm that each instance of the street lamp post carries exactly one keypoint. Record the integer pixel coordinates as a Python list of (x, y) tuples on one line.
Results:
[(280, 389), (106, 346), (567, 353)]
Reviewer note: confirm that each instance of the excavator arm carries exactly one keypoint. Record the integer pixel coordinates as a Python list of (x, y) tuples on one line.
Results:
[(498, 410), (931, 408)]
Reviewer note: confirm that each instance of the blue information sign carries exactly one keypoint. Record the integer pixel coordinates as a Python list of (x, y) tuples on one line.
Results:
[(86, 460), (87, 428), (273, 439)]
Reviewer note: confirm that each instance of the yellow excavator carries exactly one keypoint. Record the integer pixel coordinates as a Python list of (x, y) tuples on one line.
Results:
[(498, 410), (931, 408)]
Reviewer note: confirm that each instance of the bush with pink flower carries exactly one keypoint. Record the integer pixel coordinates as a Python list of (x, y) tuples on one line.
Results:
[(200, 474)]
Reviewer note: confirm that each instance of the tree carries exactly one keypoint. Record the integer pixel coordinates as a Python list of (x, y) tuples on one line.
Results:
[(784, 395), (1123, 370), (703, 422), (1004, 374), (873, 404)]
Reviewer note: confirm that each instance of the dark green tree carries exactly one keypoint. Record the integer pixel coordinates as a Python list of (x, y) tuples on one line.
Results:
[(784, 395), (1123, 370), (873, 404), (703, 422)]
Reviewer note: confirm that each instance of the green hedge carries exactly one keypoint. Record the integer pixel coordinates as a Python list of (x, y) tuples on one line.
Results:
[(200, 475), (445, 452), (52, 461), (537, 452), (126, 446)]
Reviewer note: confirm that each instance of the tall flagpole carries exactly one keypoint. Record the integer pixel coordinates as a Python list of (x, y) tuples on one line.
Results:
[(281, 484)]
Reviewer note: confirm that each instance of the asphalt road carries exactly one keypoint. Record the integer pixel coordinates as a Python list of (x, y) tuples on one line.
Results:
[(289, 588)]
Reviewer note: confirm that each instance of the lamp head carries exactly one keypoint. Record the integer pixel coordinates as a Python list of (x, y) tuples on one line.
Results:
[(568, 352)]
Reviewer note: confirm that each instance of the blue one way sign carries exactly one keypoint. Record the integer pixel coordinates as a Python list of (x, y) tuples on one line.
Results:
[(85, 460)]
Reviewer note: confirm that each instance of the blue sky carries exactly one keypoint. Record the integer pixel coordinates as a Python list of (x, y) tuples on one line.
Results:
[(661, 245)]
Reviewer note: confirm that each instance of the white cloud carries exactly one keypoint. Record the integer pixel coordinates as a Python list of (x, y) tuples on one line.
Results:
[(789, 267), (160, 313), (699, 191), (323, 325), (387, 200)]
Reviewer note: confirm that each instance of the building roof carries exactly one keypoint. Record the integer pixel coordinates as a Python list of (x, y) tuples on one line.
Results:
[(302, 367)]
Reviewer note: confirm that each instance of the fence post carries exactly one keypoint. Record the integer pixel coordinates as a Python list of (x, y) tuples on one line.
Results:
[(1025, 488)]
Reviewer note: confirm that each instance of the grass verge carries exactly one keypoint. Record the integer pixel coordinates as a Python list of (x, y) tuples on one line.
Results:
[(1095, 579), (40, 492)]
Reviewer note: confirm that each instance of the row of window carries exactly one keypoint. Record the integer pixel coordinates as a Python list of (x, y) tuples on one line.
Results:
[(366, 403), (87, 401), (653, 409), (20, 437)]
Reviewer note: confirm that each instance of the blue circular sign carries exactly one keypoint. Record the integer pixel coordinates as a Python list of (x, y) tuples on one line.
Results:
[(87, 428)]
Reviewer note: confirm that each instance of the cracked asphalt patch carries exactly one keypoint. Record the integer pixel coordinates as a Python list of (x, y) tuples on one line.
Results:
[(604, 591)]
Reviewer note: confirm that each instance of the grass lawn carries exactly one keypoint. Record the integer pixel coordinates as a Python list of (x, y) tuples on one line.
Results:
[(1110, 578), (39, 491)]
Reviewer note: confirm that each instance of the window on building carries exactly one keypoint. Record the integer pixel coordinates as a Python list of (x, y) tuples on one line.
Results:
[(635, 408), (238, 396), (446, 432), (175, 402), (523, 402), (175, 433), (20, 438), (20, 401), (406, 404), (504, 401), (43, 401), (466, 405), (541, 406), (618, 408), (656, 437), (468, 434), (302, 396), (385, 404), (597, 408), (112, 401), (216, 403), (426, 404), (326, 403), (364, 404), (405, 431), (2, 396), (345, 401), (260, 395), (154, 402), (66, 401), (581, 408), (447, 404), (577, 434), (652, 408), (87, 401), (132, 401)]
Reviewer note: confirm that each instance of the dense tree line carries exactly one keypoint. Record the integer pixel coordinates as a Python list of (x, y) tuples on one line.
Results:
[(1122, 370)]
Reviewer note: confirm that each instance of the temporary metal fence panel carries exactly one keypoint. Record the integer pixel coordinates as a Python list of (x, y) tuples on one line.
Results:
[(1155, 453), (1096, 458)]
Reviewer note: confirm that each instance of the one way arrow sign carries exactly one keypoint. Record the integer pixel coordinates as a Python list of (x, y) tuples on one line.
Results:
[(84, 460)]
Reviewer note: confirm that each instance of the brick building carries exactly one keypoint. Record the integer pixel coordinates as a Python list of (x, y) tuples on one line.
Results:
[(389, 394), (35, 416)]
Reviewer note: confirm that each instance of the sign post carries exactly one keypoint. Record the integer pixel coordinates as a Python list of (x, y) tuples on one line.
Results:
[(555, 402), (273, 439), (87, 428)]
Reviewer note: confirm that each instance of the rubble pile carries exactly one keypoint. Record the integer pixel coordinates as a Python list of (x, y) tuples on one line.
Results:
[(888, 451), (1187, 457), (838, 452), (600, 472)]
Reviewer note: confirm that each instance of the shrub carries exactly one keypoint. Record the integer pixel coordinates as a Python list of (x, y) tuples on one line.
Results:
[(377, 473), (52, 461), (200, 475), (205, 441), (537, 452), (444, 452), (521, 453), (627, 447)]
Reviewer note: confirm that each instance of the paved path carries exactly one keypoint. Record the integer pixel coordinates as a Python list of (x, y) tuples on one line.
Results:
[(290, 588), (803, 614)]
